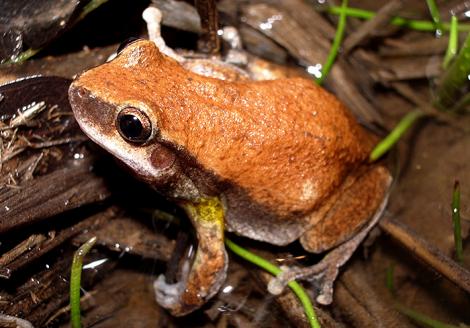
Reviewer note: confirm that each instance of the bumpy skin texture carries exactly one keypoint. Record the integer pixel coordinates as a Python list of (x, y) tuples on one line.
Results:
[(279, 153)]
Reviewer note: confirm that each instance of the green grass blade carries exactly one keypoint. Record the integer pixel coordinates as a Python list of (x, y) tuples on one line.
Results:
[(274, 270), (392, 138), (389, 279), (75, 280), (89, 7), (336, 44), (453, 42), (455, 79), (419, 25), (421, 318), (456, 222), (436, 17)]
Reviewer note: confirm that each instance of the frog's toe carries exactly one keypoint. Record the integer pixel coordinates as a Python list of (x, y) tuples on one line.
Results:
[(203, 281), (167, 295)]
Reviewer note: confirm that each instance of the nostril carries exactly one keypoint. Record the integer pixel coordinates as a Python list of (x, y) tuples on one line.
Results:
[(81, 92)]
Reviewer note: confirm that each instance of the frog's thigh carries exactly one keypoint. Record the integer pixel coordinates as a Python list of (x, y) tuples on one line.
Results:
[(355, 206)]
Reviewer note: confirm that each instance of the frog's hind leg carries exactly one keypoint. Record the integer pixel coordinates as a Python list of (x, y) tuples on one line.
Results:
[(376, 183)]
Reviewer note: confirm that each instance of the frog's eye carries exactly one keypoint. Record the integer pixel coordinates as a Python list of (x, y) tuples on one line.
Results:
[(134, 125), (125, 44)]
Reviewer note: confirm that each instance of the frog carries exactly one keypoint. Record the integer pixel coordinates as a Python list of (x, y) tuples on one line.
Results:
[(278, 161)]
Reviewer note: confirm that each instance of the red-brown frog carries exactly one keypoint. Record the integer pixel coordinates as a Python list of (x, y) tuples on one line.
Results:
[(276, 161)]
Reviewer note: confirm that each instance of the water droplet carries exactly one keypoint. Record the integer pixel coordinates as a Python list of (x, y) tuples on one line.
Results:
[(95, 264), (227, 289), (268, 24)]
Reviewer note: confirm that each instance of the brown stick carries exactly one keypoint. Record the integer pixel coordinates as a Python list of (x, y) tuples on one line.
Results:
[(207, 10), (383, 16), (427, 252)]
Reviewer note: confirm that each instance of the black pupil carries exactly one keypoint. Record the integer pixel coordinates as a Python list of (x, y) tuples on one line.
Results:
[(131, 127)]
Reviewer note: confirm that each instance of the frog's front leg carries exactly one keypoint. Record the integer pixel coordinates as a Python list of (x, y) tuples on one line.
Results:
[(209, 268)]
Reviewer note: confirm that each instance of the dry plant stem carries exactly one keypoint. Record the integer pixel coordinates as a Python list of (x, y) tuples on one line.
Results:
[(381, 19), (27, 244), (408, 93), (427, 252), (425, 46), (39, 145), (207, 10), (47, 195), (88, 296), (363, 306), (56, 238)]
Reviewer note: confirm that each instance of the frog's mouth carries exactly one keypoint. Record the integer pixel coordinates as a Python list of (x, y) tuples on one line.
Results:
[(208, 271)]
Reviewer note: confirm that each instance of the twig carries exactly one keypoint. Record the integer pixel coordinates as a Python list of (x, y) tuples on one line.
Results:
[(207, 11), (21, 248), (383, 17), (427, 252)]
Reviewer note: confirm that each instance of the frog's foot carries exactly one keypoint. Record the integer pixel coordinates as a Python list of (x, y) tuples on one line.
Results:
[(324, 273), (153, 18), (208, 271)]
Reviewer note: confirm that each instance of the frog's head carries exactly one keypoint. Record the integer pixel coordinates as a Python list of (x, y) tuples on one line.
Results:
[(116, 105), (122, 105)]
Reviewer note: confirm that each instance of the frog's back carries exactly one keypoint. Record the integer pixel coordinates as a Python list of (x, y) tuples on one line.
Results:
[(287, 143)]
